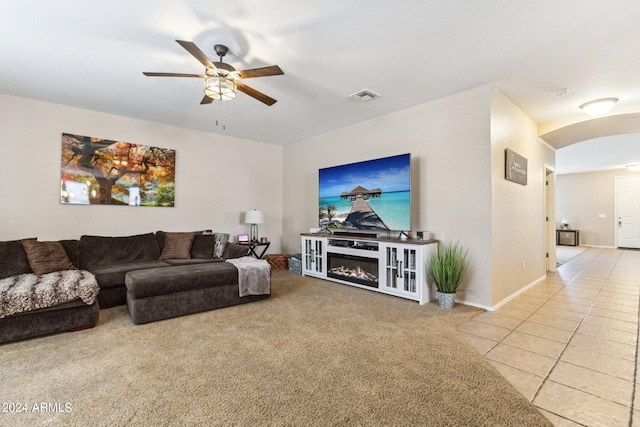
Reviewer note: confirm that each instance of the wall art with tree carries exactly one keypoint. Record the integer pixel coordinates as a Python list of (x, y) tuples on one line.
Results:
[(105, 172)]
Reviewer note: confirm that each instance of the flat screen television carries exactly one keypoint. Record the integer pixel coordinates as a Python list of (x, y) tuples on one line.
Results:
[(369, 195)]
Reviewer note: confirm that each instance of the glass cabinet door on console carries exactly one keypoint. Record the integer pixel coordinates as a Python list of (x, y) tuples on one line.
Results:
[(313, 263), (402, 270), (390, 274)]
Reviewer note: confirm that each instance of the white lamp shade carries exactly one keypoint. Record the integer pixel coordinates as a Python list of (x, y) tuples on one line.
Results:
[(254, 217)]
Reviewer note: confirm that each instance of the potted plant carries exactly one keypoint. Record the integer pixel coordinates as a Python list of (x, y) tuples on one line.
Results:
[(447, 267)]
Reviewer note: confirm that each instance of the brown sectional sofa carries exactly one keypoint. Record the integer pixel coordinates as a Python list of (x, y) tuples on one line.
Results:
[(156, 280)]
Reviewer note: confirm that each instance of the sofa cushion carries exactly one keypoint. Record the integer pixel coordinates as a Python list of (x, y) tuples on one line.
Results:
[(234, 250), (177, 245), (209, 245), (47, 257), (190, 261), (183, 278), (161, 235), (110, 276), (72, 248), (202, 246), (13, 259), (100, 251)]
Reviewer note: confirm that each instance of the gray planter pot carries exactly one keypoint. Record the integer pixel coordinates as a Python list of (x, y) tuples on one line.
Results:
[(446, 300)]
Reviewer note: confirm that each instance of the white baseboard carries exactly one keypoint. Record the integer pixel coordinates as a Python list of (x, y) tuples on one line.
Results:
[(473, 304), (515, 295)]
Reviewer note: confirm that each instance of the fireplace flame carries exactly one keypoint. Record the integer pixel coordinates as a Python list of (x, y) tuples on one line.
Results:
[(355, 273)]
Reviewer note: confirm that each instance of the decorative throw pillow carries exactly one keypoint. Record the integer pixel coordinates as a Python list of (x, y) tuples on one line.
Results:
[(177, 246), (47, 257), (220, 242), (202, 246), (13, 259)]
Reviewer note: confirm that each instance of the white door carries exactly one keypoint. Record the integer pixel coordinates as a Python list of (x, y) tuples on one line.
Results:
[(628, 211)]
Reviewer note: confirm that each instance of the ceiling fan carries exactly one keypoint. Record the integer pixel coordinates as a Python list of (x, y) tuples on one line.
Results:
[(220, 79)]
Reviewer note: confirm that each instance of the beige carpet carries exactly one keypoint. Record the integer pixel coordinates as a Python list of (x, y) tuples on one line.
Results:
[(316, 353)]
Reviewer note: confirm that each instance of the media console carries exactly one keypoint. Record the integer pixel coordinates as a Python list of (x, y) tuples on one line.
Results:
[(391, 266)]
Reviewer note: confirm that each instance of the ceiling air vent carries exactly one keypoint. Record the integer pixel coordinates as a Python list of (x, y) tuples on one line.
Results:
[(364, 95)]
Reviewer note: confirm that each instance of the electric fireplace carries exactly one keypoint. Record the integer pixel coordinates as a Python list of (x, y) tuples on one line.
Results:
[(351, 268)]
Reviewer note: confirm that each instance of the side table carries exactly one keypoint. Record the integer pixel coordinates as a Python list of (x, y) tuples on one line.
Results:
[(253, 245), (568, 237)]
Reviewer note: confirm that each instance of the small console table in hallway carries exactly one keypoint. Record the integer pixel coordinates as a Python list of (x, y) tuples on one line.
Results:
[(568, 237)]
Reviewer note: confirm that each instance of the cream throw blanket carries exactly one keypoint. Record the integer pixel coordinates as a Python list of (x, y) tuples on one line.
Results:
[(254, 275)]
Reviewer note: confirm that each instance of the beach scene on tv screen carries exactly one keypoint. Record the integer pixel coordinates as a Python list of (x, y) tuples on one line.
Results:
[(369, 195)]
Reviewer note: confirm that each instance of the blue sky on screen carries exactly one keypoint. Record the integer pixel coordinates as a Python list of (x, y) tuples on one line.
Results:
[(389, 174)]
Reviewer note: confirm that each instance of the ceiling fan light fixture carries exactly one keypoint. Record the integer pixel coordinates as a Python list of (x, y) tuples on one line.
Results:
[(220, 88), (598, 106)]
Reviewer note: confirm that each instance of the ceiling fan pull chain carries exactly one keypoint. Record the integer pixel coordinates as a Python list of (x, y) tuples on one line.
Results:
[(224, 115)]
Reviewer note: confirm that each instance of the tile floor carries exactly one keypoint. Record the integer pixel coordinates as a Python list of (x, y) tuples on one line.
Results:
[(569, 344)]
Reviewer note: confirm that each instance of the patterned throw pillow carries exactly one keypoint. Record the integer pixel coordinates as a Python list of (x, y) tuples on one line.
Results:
[(219, 244), (47, 257), (177, 246)]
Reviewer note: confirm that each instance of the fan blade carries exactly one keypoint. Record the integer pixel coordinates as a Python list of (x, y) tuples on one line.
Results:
[(206, 100), (146, 73), (255, 94), (272, 70), (196, 52)]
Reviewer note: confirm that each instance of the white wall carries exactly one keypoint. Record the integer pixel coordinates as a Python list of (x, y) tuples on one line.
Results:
[(451, 159), (457, 145), (518, 211), (217, 177), (582, 197), (459, 192)]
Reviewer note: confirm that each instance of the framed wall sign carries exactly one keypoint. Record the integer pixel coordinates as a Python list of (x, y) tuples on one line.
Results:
[(515, 167)]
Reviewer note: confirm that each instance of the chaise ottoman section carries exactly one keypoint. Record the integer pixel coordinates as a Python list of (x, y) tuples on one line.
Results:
[(111, 279), (162, 293), (70, 316)]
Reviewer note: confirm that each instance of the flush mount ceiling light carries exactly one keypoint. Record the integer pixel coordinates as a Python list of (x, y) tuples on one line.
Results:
[(634, 167), (598, 106)]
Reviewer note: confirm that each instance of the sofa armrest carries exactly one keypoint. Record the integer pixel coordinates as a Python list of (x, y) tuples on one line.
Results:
[(234, 250)]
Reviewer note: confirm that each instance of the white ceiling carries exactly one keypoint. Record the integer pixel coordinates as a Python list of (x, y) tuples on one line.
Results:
[(92, 54), (599, 154)]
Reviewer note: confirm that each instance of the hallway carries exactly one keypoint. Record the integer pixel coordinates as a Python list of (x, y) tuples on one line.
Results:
[(570, 343)]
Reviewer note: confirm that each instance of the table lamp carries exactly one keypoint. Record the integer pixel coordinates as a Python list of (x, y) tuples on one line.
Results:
[(254, 218)]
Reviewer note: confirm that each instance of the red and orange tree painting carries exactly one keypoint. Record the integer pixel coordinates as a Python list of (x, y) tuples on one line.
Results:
[(100, 171)]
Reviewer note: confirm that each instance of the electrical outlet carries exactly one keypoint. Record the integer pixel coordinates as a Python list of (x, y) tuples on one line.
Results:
[(523, 264)]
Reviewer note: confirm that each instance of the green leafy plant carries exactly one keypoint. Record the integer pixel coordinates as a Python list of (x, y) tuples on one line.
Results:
[(447, 267)]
